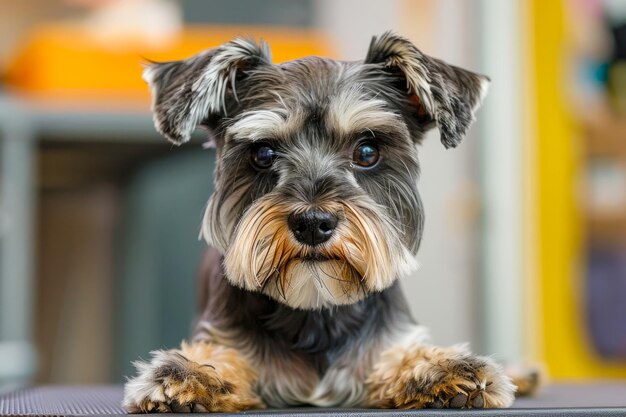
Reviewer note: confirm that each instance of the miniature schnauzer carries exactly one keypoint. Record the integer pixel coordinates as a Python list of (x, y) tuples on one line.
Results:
[(315, 216)]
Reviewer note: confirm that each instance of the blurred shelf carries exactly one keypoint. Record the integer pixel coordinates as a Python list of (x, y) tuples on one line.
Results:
[(605, 154), (605, 134), (607, 227), (76, 120), (68, 60)]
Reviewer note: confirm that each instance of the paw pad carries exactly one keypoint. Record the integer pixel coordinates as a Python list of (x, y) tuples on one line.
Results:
[(473, 399)]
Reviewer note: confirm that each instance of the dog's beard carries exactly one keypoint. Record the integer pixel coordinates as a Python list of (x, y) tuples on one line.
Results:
[(364, 255)]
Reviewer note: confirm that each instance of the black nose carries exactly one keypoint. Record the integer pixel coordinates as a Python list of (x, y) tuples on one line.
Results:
[(312, 227)]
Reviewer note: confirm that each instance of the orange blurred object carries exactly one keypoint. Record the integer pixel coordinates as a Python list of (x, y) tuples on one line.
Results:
[(61, 61)]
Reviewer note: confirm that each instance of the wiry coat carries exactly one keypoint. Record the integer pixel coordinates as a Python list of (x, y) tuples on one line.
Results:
[(319, 324)]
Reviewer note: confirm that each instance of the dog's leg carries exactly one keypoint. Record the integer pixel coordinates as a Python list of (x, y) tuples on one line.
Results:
[(198, 377), (422, 376)]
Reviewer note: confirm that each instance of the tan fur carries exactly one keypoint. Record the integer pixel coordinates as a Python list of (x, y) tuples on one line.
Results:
[(417, 376), (199, 377), (263, 249)]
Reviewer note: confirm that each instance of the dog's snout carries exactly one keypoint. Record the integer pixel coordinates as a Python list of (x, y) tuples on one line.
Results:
[(312, 227)]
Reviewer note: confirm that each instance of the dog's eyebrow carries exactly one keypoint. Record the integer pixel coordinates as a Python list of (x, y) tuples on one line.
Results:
[(262, 124), (352, 111)]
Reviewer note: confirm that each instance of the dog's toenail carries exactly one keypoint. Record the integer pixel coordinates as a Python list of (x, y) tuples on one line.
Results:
[(437, 404), (458, 401), (199, 408), (163, 408)]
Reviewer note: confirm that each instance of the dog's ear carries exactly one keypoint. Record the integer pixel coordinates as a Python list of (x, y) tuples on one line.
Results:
[(441, 94), (187, 93)]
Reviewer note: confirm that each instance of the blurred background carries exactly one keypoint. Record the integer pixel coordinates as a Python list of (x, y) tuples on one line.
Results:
[(524, 252)]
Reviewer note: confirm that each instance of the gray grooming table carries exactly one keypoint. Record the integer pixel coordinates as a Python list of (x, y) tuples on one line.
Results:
[(591, 400)]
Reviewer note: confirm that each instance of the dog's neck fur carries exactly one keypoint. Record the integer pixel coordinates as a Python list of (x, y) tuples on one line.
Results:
[(318, 336)]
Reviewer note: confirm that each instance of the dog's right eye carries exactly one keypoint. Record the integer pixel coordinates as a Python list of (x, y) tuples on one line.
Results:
[(262, 156)]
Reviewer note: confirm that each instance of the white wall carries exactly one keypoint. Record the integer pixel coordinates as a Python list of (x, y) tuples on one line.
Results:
[(502, 178)]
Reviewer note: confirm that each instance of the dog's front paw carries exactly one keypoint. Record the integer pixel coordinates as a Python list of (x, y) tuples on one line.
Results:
[(434, 377), (172, 383)]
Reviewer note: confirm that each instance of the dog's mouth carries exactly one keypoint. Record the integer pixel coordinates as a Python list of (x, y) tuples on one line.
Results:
[(317, 257)]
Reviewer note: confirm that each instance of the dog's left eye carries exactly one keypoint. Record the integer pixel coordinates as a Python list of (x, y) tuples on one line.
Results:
[(365, 154), (262, 156)]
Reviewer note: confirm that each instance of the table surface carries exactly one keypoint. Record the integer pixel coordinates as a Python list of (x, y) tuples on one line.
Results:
[(598, 399)]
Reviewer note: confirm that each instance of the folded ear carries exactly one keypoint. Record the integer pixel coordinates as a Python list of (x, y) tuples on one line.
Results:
[(186, 93), (442, 93)]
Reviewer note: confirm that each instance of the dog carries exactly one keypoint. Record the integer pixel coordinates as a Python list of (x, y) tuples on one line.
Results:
[(315, 216)]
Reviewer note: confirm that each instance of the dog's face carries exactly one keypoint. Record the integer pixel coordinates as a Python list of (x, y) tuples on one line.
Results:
[(316, 200)]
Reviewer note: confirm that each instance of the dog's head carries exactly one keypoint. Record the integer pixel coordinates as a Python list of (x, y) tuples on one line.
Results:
[(316, 199)]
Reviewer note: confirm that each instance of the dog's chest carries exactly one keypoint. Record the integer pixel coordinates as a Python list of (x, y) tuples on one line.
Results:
[(314, 358), (306, 357), (287, 380)]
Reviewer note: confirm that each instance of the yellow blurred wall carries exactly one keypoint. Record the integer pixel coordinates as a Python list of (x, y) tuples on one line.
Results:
[(557, 160)]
